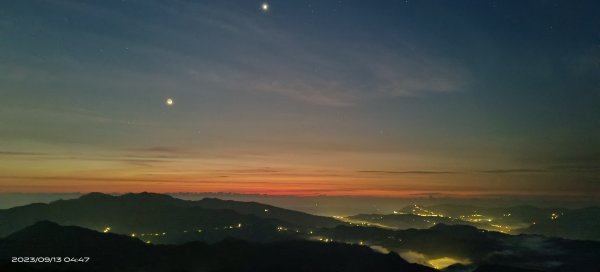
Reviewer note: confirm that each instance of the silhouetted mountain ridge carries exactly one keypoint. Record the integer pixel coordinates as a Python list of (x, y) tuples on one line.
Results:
[(174, 220)]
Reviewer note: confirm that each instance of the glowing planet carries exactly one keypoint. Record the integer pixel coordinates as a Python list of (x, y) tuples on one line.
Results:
[(169, 102), (264, 6)]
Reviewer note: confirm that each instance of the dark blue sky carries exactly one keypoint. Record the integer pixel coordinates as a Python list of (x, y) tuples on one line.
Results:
[(333, 97)]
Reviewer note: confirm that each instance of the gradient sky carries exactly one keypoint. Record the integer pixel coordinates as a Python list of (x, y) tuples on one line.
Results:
[(383, 98)]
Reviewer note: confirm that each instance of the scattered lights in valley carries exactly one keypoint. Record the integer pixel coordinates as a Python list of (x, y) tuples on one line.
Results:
[(503, 222), (417, 210), (148, 237), (280, 228)]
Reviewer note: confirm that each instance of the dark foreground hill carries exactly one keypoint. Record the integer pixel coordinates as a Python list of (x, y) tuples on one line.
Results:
[(111, 252), (164, 219)]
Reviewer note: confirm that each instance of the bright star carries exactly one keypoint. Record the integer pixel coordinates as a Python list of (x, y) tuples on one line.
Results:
[(169, 102), (265, 7)]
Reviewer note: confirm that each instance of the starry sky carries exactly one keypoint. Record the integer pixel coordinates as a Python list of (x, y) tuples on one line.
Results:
[(372, 98)]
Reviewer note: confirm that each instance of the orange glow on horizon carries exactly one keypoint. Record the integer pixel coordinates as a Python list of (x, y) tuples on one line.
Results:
[(253, 188), (192, 175)]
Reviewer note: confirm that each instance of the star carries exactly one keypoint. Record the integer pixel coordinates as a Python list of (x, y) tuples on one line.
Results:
[(264, 7), (169, 102)]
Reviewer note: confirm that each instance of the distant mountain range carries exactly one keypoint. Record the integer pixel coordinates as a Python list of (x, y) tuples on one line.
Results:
[(580, 224), (164, 219), (111, 252)]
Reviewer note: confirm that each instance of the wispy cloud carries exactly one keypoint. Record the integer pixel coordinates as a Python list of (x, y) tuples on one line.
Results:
[(18, 153), (484, 171), (414, 172), (514, 171), (350, 78)]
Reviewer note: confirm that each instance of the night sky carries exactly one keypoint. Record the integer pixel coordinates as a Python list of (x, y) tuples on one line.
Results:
[(382, 98)]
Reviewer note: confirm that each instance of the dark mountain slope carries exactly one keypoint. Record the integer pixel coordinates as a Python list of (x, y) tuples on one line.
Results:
[(162, 218), (110, 252), (268, 211)]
